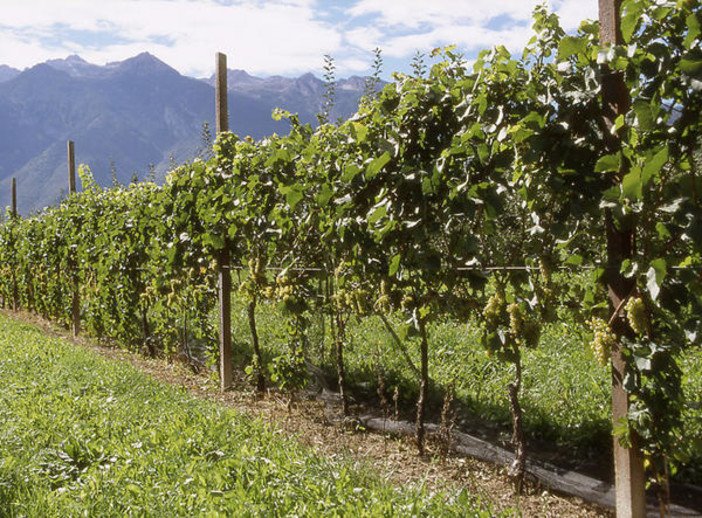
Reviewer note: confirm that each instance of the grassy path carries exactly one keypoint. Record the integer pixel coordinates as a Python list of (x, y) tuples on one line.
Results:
[(82, 435)]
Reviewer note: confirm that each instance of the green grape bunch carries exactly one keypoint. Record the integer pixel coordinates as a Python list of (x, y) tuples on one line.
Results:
[(525, 330), (516, 319), (493, 309), (603, 340), (636, 315), (256, 271)]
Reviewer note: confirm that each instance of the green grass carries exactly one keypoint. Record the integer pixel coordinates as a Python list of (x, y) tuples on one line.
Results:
[(82, 435), (565, 395)]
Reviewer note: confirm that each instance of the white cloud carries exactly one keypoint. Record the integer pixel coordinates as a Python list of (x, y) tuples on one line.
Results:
[(572, 12), (265, 36), (415, 13), (466, 38), (281, 36), (352, 64), (364, 37), (401, 27)]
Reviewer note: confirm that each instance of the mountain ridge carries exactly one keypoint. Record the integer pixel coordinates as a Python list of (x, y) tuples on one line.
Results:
[(131, 117), (7, 73)]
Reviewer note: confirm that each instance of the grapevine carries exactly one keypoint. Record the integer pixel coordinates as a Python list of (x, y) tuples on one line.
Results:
[(502, 164)]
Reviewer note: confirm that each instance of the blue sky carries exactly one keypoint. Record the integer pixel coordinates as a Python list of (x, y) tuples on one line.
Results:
[(267, 37)]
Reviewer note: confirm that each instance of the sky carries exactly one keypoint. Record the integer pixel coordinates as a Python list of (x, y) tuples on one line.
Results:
[(268, 37)]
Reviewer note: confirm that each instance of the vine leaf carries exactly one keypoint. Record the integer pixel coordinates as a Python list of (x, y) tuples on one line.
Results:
[(632, 184), (632, 11), (654, 165), (608, 163), (655, 276), (376, 165), (571, 45)]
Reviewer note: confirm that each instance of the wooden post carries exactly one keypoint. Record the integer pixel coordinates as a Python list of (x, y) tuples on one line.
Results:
[(225, 280), (628, 463), (222, 122), (13, 214), (225, 326), (71, 168), (75, 302), (13, 210)]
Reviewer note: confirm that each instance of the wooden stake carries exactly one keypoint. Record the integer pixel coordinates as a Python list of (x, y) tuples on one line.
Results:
[(13, 209), (222, 122), (71, 168), (225, 326), (225, 281), (13, 212), (628, 463), (75, 301)]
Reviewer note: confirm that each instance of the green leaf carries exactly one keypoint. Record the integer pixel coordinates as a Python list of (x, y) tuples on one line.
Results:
[(692, 64), (574, 260), (655, 276), (394, 264), (609, 163), (376, 165), (171, 255), (662, 229), (281, 155), (642, 109), (350, 172), (214, 240), (629, 268), (293, 194), (619, 123), (324, 195), (378, 213), (631, 14), (632, 184), (570, 45), (654, 165), (359, 131), (693, 30)]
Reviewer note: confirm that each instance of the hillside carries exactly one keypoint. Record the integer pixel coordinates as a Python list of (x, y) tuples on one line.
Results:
[(128, 115)]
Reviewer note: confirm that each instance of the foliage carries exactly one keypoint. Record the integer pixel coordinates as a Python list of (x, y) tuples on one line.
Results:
[(511, 169)]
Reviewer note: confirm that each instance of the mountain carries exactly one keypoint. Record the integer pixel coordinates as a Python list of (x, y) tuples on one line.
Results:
[(7, 73), (129, 116), (76, 66), (303, 95)]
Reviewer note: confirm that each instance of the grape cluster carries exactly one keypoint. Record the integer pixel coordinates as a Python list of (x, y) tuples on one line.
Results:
[(340, 299), (256, 271), (516, 319), (384, 302), (493, 309), (360, 298), (544, 289), (284, 289), (602, 341), (255, 280), (526, 331), (353, 300), (636, 315)]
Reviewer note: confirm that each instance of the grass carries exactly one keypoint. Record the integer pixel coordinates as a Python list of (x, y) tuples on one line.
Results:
[(82, 435), (565, 394)]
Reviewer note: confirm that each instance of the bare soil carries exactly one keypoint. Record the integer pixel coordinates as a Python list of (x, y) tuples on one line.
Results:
[(394, 458)]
